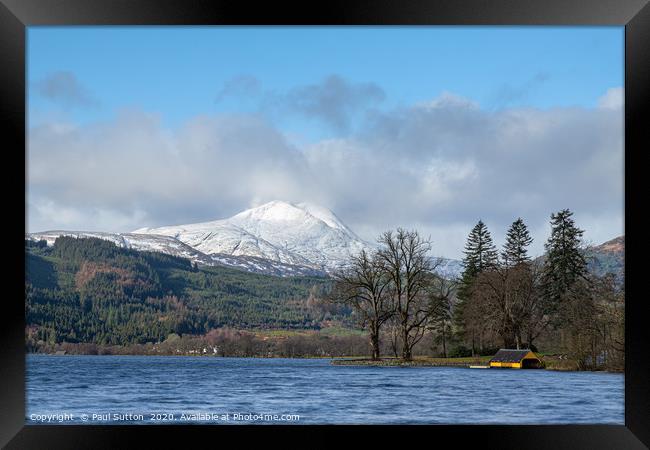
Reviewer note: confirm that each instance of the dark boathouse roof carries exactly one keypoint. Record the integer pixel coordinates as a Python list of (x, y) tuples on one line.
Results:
[(512, 356)]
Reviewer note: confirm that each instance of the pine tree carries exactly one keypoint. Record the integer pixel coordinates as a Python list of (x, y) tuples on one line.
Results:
[(517, 240), (480, 254), (564, 264)]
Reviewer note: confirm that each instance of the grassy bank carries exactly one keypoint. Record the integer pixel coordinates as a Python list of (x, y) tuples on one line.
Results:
[(418, 361), (550, 362)]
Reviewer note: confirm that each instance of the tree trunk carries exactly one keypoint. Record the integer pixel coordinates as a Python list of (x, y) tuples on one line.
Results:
[(594, 356), (518, 341), (374, 342), (393, 341), (473, 345), (406, 348), (444, 342), (605, 346)]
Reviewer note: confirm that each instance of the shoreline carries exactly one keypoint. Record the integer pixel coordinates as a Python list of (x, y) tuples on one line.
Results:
[(393, 362), (187, 355), (418, 361), (360, 361), (482, 361)]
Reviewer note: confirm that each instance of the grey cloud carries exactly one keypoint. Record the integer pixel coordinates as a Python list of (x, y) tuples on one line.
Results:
[(239, 86), (65, 89), (438, 167), (464, 164), (508, 94), (334, 100)]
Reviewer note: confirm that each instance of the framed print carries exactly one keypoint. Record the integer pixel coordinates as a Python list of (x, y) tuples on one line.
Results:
[(393, 220)]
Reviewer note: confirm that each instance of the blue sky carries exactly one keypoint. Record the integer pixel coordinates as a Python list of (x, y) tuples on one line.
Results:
[(457, 109), (179, 71)]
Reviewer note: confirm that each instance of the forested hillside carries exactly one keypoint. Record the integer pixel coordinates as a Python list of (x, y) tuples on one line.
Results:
[(608, 257), (89, 290)]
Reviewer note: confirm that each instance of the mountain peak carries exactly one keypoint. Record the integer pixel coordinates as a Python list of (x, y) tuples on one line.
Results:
[(276, 210), (283, 211), (292, 233)]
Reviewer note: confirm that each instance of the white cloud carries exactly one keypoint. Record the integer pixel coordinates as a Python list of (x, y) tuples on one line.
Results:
[(448, 100), (612, 99), (81, 219), (438, 168)]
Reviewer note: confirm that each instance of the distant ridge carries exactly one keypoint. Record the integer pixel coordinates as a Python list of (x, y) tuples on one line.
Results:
[(608, 257)]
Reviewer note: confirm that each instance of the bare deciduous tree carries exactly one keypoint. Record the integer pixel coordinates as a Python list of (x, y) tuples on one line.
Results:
[(365, 287), (440, 299), (593, 314), (535, 320), (393, 333), (508, 298), (404, 256)]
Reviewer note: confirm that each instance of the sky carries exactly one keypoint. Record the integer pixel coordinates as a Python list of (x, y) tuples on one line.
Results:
[(427, 128)]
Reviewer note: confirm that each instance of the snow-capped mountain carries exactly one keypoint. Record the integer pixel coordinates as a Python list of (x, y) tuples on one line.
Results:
[(277, 238), (172, 246), (298, 234)]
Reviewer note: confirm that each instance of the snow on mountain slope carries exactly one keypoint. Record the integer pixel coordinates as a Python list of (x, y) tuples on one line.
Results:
[(277, 238), (220, 237), (297, 234), (141, 242), (449, 268), (172, 246)]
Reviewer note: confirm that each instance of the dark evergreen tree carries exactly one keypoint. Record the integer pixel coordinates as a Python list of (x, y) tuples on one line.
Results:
[(480, 254), (564, 264), (515, 249)]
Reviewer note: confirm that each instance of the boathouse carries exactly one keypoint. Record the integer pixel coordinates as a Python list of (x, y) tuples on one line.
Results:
[(516, 359)]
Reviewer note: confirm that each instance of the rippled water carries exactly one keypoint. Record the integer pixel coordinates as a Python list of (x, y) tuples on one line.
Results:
[(313, 389)]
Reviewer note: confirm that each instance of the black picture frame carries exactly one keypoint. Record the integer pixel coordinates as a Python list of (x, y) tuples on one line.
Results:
[(16, 15)]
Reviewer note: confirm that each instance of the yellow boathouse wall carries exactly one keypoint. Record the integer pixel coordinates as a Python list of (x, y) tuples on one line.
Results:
[(514, 365)]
